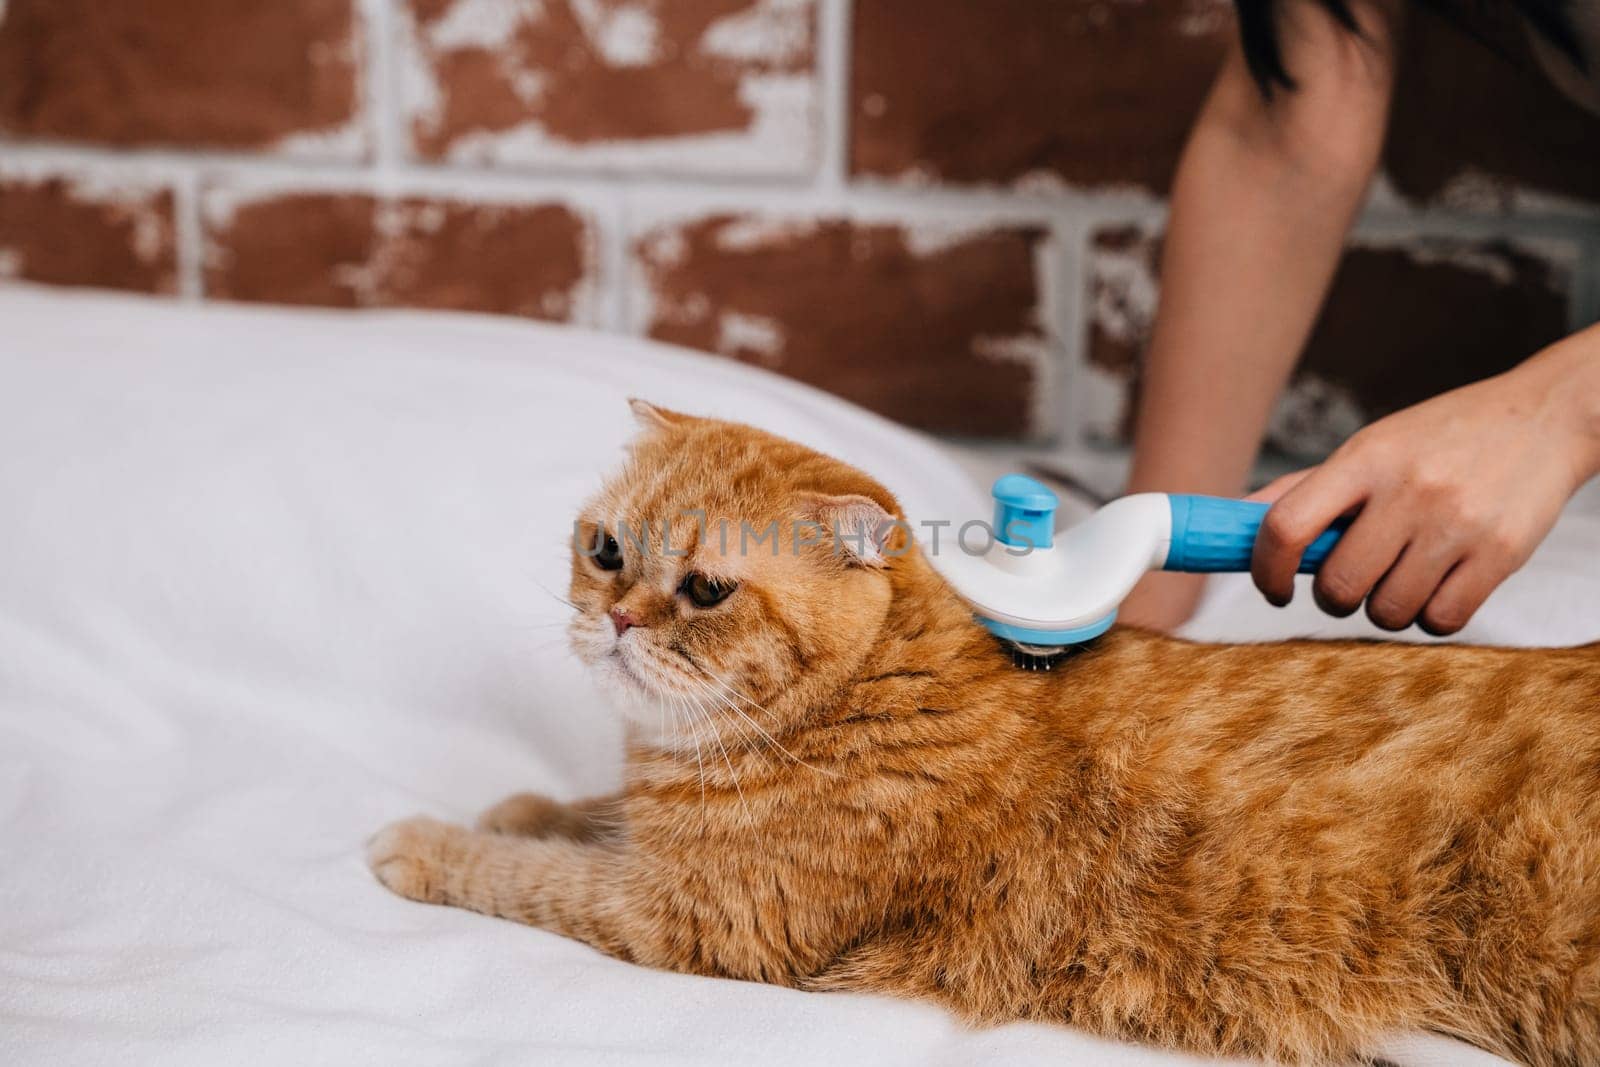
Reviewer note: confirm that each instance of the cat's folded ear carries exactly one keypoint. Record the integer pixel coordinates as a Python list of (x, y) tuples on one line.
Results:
[(860, 527), (653, 418)]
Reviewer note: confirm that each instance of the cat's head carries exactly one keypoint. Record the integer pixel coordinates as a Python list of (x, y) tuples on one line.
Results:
[(725, 576)]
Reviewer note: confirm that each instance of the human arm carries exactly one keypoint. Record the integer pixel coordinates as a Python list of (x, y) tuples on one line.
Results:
[(1264, 196)]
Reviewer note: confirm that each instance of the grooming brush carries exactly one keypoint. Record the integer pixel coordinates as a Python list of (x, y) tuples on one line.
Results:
[(1048, 593)]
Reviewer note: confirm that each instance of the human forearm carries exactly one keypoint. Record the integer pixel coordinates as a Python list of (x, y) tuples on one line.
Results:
[(1265, 194), (1245, 265), (1562, 384), (1244, 273)]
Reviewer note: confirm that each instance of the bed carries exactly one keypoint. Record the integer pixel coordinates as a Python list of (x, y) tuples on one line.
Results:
[(271, 579)]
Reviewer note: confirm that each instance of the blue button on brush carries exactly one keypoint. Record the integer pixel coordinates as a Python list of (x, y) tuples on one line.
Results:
[(1024, 512)]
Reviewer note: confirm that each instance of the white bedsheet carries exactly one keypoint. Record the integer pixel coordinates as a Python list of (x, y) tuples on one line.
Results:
[(270, 579)]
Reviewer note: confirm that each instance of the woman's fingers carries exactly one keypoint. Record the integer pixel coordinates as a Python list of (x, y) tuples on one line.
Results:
[(1299, 516), (1399, 598), (1269, 493), (1463, 592), (1366, 552)]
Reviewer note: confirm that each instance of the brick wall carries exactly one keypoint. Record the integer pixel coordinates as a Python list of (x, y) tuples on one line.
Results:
[(946, 210)]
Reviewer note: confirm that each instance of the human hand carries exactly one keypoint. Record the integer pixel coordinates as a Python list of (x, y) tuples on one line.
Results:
[(1449, 497)]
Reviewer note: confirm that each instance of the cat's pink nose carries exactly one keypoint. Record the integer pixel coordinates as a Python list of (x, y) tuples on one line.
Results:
[(622, 620)]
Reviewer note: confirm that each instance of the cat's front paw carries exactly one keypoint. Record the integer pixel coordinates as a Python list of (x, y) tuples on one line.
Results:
[(526, 815), (409, 857)]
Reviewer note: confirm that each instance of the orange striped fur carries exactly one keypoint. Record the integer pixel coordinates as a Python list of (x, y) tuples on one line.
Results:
[(836, 780)]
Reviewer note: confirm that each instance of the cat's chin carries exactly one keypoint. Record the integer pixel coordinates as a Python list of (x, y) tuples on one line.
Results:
[(649, 720), (647, 712), (654, 711), (652, 717), (619, 679)]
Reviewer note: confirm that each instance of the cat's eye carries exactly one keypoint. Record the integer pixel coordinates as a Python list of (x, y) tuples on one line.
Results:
[(609, 558), (706, 592)]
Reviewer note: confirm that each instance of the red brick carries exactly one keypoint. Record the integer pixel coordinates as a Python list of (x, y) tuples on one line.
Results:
[(64, 232), (229, 73), (937, 328), (1405, 320), (1084, 91), (1476, 117), (505, 81), (352, 249)]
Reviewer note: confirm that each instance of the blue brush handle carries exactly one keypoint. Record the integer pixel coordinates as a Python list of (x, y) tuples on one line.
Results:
[(1211, 535)]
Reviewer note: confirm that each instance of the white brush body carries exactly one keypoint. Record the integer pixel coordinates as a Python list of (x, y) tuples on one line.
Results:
[(1080, 579)]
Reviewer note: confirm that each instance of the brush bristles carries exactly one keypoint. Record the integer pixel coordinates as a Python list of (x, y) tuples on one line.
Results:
[(1037, 657)]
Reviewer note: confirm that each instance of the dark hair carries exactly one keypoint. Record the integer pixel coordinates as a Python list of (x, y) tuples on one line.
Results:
[(1258, 31)]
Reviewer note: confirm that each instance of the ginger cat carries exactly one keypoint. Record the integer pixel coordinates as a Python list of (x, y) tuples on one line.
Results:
[(837, 779)]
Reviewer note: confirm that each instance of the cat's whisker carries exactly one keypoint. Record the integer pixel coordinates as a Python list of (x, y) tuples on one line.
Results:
[(755, 725), (737, 693), (700, 769), (685, 700), (726, 759), (759, 729), (747, 728), (661, 718), (704, 725), (743, 730), (706, 691), (723, 682), (558, 597)]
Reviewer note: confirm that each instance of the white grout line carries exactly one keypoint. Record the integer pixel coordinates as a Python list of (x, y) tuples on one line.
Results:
[(188, 235), (1070, 325), (270, 177), (612, 241), (1096, 207), (380, 80), (622, 305), (833, 81)]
